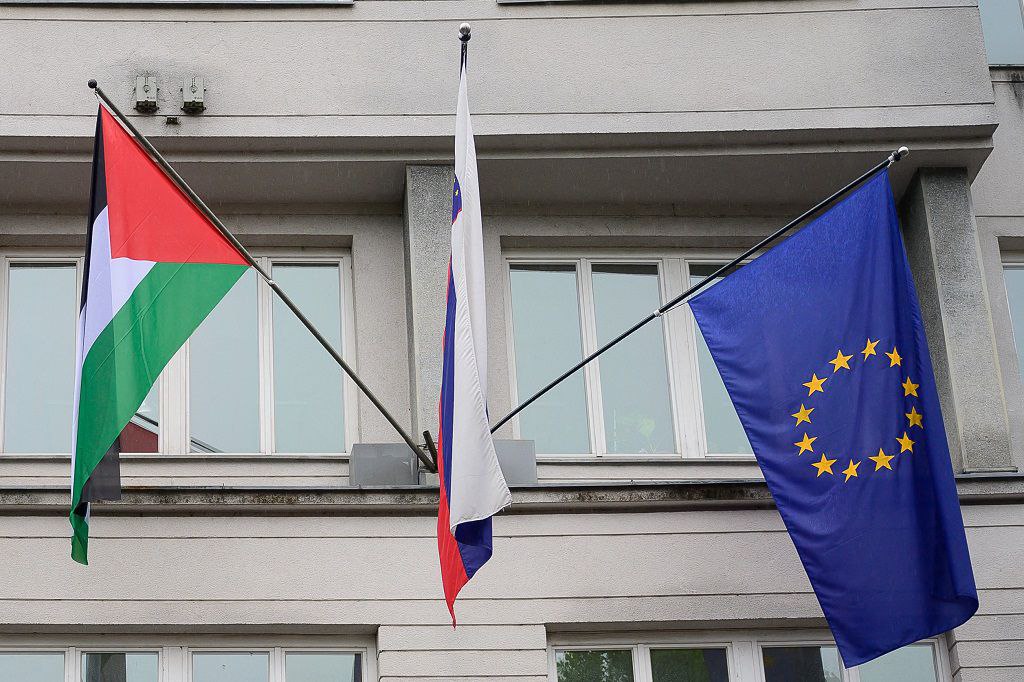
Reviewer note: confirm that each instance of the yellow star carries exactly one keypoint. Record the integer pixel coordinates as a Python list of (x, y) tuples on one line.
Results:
[(840, 361), (851, 470), (805, 444), (914, 417), (803, 415), (869, 349), (882, 460), (894, 357), (905, 443), (824, 465), (815, 384), (910, 388)]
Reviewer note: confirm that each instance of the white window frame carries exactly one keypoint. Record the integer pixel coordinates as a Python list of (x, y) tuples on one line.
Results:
[(174, 653), (743, 649), (1011, 261), (679, 330), (174, 438)]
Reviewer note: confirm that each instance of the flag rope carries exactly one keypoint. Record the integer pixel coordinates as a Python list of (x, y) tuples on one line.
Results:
[(306, 322), (895, 156)]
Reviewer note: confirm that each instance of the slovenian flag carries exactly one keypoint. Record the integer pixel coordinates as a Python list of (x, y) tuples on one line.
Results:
[(154, 269), (472, 485)]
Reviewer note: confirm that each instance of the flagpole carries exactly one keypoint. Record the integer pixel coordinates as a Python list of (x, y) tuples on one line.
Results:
[(895, 156), (222, 228)]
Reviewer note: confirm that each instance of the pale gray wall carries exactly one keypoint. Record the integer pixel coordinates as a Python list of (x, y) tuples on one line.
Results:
[(334, 571), (647, 124), (998, 195)]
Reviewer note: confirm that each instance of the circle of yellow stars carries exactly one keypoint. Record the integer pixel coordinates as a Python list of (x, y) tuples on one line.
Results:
[(882, 460)]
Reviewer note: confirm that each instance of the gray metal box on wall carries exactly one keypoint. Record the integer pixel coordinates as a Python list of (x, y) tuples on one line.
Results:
[(382, 464), (518, 461)]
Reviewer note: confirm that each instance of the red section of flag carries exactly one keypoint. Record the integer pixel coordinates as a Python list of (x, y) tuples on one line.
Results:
[(150, 218), (453, 570)]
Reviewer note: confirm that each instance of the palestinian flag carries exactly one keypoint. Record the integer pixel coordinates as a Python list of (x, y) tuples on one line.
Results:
[(155, 267)]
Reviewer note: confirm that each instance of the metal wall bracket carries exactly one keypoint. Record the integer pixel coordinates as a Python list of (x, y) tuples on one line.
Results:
[(145, 94), (193, 92)]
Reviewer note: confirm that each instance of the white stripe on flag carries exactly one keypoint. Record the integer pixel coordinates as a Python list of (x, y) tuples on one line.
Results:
[(478, 488)]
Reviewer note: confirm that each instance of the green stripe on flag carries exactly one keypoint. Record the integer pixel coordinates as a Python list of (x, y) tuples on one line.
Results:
[(127, 357)]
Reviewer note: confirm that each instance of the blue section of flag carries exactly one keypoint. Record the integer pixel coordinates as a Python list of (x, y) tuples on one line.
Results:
[(822, 350), (456, 200), (474, 538)]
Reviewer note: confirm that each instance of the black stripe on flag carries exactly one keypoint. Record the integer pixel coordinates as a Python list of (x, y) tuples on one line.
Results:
[(105, 481)]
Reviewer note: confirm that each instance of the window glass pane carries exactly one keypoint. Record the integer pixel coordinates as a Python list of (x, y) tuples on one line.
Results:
[(634, 376), (722, 428), (910, 664), (1003, 27), (32, 667), (40, 381), (142, 434), (546, 325), (308, 413), (317, 667), (689, 665), (120, 667), (230, 667), (801, 664), (594, 666), (1014, 278), (223, 358)]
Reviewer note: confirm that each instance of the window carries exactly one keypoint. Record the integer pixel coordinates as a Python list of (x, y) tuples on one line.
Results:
[(250, 380), (1013, 276), (185, 664), (1002, 22), (655, 394), (768, 659)]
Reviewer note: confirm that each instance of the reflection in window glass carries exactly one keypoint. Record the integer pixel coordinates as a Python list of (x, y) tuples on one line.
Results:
[(32, 667), (40, 379), (322, 667), (308, 414), (142, 433), (1014, 278), (689, 665), (801, 664), (223, 358), (910, 664), (1003, 26), (546, 324), (634, 375), (722, 428), (594, 666), (230, 667), (120, 667)]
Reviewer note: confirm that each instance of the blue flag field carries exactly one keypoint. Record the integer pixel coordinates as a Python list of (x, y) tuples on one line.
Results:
[(821, 347)]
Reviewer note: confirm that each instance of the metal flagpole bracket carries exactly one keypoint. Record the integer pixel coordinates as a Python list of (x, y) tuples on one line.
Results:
[(893, 157), (275, 287), (898, 155)]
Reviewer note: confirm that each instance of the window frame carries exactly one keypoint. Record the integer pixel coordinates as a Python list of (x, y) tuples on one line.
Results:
[(174, 437), (174, 652), (743, 649), (679, 332)]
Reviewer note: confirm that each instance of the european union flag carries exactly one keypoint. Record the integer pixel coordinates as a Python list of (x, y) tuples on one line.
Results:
[(822, 350)]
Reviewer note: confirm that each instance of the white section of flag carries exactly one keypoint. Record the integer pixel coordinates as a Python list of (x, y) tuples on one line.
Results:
[(478, 489), (111, 282)]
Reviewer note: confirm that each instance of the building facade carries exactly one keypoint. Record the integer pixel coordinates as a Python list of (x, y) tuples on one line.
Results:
[(625, 149)]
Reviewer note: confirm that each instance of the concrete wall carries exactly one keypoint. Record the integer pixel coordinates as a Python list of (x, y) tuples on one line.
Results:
[(612, 125), (337, 572), (999, 204)]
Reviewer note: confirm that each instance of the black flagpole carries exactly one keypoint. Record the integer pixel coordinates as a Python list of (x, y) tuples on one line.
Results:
[(465, 33), (212, 217), (678, 300)]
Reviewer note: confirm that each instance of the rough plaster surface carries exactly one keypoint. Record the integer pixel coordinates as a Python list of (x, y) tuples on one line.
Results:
[(944, 249)]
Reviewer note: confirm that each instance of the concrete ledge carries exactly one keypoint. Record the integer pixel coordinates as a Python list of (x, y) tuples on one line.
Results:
[(577, 498)]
